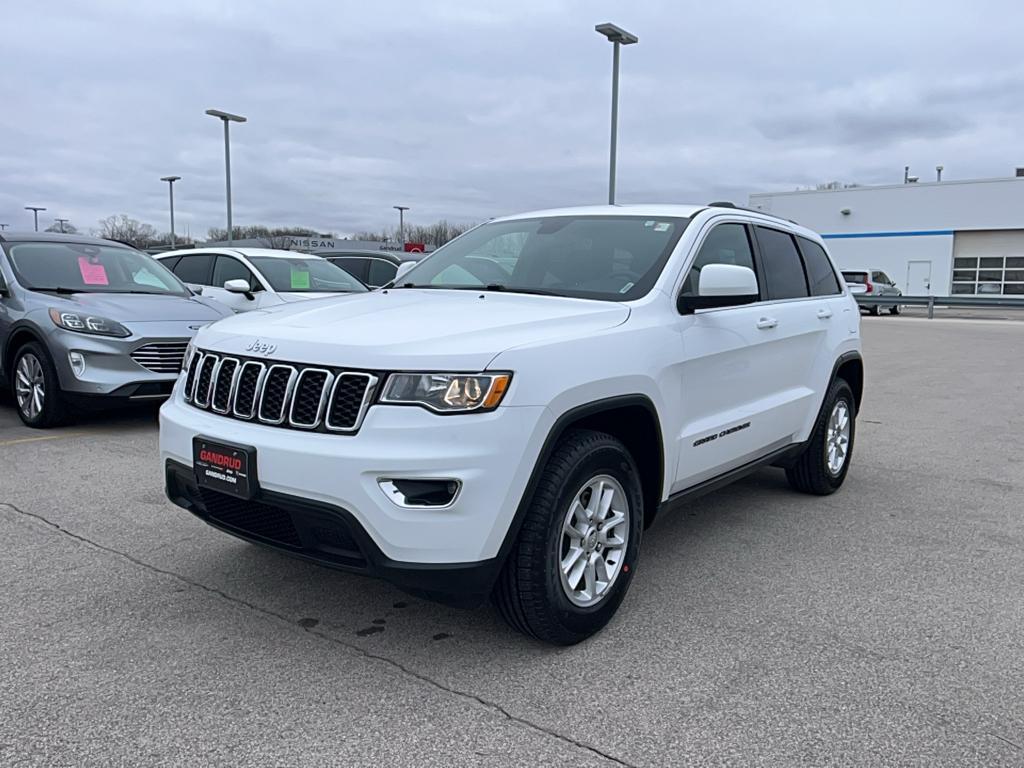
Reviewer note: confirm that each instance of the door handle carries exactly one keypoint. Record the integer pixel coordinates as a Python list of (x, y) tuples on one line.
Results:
[(767, 322), (824, 314)]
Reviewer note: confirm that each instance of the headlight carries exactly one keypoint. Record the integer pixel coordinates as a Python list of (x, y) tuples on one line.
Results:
[(447, 392), (99, 326)]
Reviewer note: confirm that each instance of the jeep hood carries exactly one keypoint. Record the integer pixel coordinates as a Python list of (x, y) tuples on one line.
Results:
[(414, 329)]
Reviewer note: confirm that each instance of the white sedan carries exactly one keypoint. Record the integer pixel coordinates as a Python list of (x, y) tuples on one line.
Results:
[(255, 278)]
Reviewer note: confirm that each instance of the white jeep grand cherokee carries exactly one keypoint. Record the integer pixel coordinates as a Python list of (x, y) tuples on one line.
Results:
[(513, 413)]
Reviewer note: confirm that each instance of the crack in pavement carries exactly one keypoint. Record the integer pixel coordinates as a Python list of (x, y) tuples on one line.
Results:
[(490, 705)]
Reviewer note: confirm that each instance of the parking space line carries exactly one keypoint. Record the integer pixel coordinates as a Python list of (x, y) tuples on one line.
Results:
[(19, 440)]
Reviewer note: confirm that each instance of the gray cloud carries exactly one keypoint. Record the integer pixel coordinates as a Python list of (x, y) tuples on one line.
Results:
[(470, 110)]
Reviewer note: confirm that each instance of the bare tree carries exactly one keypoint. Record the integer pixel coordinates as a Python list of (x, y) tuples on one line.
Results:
[(68, 228), (125, 229)]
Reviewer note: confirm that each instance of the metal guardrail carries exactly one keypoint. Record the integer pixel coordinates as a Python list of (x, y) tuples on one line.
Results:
[(1006, 302)]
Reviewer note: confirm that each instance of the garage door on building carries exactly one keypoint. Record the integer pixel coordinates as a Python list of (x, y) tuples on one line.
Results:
[(989, 262)]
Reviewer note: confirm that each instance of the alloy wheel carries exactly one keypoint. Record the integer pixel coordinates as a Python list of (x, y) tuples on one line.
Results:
[(30, 386), (837, 441), (595, 532)]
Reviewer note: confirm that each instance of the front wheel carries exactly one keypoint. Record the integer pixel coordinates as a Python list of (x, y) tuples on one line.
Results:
[(577, 548), (873, 310), (894, 309), (36, 388), (823, 465)]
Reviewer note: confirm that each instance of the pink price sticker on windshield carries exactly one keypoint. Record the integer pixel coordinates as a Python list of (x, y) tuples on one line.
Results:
[(92, 274)]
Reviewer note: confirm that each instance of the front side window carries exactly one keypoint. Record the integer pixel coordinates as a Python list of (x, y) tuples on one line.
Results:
[(357, 266), (783, 268), (381, 272), (820, 274), (613, 258), (195, 268), (86, 268), (725, 244), (228, 268), (299, 275)]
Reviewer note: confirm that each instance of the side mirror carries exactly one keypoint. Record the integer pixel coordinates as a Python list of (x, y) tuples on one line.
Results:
[(239, 286), (721, 285), (404, 267), (195, 288)]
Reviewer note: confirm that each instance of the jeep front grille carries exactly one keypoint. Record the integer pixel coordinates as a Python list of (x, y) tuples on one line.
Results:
[(161, 356), (279, 394)]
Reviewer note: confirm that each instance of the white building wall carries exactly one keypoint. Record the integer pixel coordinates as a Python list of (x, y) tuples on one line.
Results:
[(889, 227)]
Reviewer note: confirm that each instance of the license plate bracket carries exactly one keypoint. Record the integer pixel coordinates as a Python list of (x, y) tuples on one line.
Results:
[(224, 467)]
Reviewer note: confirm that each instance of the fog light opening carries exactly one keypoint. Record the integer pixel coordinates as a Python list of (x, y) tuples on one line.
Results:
[(420, 493), (77, 361)]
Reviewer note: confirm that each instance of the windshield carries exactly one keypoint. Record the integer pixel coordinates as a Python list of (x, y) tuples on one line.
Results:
[(85, 268), (300, 275), (855, 277), (615, 258)]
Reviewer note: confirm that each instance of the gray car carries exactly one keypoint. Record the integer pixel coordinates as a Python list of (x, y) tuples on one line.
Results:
[(872, 282), (85, 321)]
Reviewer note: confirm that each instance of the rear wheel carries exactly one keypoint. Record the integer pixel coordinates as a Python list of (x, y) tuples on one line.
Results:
[(575, 554), (822, 467), (873, 310), (895, 309), (36, 388)]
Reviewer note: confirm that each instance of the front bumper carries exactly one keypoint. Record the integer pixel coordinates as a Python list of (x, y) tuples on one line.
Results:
[(110, 370), (311, 477)]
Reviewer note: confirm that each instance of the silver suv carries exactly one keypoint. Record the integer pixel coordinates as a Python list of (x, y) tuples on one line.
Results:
[(86, 321)]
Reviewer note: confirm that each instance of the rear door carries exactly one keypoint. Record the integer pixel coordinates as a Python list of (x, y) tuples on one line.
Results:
[(729, 374)]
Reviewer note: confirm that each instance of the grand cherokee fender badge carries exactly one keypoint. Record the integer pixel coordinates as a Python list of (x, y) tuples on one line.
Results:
[(723, 433), (261, 348)]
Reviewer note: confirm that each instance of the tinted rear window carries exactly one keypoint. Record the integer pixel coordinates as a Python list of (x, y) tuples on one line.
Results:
[(855, 277), (820, 274), (783, 268)]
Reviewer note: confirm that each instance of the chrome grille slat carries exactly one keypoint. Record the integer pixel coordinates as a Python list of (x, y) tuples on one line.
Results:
[(161, 356), (303, 399), (334, 421), (241, 389), (220, 401), (268, 413), (281, 394)]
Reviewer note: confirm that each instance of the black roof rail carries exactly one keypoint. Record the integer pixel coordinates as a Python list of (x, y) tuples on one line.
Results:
[(727, 204)]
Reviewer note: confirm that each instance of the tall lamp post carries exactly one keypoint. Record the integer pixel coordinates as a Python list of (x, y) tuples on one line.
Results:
[(227, 117), (3, 227), (401, 221), (170, 187), (35, 212), (616, 36), (61, 223)]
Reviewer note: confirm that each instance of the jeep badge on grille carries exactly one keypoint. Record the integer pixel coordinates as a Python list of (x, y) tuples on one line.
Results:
[(261, 348)]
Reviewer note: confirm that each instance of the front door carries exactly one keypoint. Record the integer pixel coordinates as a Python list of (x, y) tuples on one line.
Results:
[(919, 278)]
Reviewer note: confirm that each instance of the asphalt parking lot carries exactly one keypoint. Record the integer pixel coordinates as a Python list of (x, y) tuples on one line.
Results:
[(882, 625)]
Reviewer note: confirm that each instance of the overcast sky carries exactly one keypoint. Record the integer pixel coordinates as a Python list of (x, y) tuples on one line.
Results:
[(466, 110)]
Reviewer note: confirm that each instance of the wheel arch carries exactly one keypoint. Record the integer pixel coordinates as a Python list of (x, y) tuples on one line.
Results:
[(16, 339), (631, 418), (850, 367)]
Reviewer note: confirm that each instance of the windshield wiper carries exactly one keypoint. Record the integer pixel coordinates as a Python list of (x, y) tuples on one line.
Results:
[(61, 290)]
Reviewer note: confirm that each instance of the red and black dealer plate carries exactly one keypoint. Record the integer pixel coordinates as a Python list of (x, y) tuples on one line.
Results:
[(226, 468)]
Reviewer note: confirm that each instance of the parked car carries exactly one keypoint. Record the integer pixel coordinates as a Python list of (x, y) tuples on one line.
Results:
[(872, 282), (464, 438), (375, 268), (85, 321), (256, 278)]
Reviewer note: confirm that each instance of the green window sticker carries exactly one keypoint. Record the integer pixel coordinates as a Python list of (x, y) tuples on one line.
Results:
[(300, 279)]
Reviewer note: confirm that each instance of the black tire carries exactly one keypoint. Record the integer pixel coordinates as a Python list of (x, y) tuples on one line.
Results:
[(874, 310), (811, 473), (894, 309), (529, 593), (54, 411)]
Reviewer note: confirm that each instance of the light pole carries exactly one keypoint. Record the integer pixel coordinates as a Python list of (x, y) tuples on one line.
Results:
[(170, 187), (401, 221), (227, 117), (61, 222), (616, 36), (35, 213), (3, 227)]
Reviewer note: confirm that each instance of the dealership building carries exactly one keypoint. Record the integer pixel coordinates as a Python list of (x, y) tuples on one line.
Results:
[(938, 238)]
